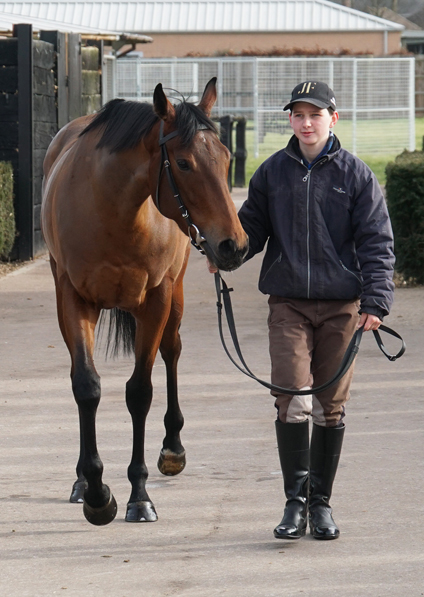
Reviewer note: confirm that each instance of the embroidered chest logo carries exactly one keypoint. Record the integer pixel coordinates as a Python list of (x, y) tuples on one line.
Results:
[(339, 190)]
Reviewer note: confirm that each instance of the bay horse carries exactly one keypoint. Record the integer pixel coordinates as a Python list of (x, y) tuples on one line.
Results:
[(118, 232)]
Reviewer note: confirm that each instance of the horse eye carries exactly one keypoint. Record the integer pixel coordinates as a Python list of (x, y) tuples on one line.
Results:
[(183, 165)]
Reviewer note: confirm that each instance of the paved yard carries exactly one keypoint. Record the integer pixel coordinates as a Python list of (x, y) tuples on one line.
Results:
[(214, 533)]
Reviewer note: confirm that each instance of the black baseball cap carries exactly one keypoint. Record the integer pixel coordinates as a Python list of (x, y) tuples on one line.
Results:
[(313, 92)]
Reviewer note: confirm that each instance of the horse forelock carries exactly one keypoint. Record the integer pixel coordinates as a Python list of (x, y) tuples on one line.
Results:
[(188, 118), (125, 124)]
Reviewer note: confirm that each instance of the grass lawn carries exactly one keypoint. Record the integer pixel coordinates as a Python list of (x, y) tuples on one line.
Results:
[(377, 161)]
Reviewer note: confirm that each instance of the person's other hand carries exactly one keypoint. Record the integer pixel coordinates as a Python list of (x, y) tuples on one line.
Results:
[(211, 267), (370, 322)]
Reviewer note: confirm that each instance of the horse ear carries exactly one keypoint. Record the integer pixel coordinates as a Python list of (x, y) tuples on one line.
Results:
[(162, 106), (209, 97)]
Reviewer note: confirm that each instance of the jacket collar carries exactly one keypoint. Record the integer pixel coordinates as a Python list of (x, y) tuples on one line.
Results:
[(293, 149)]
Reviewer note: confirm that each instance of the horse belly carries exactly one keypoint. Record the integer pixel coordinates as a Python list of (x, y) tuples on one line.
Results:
[(125, 286)]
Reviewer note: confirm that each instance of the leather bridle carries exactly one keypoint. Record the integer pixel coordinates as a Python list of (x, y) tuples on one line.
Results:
[(165, 164)]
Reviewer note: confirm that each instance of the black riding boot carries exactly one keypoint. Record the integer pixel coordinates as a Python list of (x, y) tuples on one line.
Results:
[(326, 445), (293, 448)]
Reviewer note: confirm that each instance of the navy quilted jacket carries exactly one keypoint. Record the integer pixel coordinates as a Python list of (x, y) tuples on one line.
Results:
[(328, 229)]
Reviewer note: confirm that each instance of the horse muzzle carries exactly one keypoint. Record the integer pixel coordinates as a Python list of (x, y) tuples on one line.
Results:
[(227, 256)]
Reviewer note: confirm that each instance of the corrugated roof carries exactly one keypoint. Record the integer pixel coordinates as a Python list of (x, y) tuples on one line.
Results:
[(8, 20), (163, 16)]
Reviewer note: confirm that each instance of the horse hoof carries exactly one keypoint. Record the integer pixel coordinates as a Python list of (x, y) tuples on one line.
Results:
[(170, 463), (77, 494), (101, 516), (141, 512)]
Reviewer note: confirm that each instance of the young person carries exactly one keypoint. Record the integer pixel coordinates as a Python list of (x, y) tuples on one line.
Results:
[(328, 269)]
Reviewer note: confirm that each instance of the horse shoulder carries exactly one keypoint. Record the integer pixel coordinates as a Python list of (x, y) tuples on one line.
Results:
[(63, 140)]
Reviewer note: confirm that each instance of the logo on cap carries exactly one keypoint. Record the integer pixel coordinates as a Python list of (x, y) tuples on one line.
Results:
[(307, 87)]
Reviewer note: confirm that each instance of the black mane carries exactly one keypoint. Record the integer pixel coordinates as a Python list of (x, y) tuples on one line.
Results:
[(127, 123)]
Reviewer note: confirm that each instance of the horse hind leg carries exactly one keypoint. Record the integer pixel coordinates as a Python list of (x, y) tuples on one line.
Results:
[(77, 322), (172, 457)]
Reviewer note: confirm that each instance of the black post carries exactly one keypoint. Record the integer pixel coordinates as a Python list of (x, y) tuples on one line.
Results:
[(226, 137), (240, 154), (25, 211)]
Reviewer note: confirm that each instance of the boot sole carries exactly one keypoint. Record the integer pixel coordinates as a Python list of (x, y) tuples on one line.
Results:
[(291, 537), (324, 537)]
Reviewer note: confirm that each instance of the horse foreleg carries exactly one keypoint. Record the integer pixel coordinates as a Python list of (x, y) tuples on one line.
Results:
[(172, 458), (77, 321), (80, 485), (151, 321)]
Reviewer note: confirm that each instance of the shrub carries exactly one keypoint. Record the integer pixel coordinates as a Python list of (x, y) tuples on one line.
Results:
[(7, 214), (405, 200)]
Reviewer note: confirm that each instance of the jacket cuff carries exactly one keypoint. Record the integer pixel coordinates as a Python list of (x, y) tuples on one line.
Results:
[(373, 311)]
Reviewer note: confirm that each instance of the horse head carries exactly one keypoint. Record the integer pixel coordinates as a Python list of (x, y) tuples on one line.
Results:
[(194, 192)]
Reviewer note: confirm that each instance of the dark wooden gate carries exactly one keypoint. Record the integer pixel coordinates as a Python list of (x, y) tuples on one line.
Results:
[(42, 88), (28, 119)]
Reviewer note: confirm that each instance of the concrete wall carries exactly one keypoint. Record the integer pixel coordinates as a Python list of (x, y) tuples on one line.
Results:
[(166, 45)]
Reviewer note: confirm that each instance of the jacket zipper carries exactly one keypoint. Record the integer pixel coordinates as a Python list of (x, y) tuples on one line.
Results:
[(350, 271), (307, 179), (278, 260)]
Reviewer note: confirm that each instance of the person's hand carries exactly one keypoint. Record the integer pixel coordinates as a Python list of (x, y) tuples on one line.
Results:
[(211, 267), (370, 322)]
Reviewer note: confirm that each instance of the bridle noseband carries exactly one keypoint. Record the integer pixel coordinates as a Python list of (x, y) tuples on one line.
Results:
[(166, 164)]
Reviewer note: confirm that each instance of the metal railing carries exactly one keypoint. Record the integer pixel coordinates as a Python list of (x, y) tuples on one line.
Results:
[(375, 96)]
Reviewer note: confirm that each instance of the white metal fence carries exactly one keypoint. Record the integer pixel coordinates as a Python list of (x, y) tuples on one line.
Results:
[(375, 96)]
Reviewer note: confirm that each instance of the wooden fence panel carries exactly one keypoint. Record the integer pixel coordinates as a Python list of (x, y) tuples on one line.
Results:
[(58, 41), (9, 79), (74, 75), (44, 123), (91, 79)]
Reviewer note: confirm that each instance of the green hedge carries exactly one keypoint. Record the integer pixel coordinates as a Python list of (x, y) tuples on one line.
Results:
[(7, 215), (405, 200)]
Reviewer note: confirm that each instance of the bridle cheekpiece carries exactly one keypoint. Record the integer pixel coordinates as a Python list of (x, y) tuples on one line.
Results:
[(165, 164)]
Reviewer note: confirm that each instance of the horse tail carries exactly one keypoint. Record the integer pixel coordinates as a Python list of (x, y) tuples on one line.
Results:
[(121, 332)]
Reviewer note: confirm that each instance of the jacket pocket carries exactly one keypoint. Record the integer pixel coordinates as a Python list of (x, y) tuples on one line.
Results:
[(278, 260), (350, 272)]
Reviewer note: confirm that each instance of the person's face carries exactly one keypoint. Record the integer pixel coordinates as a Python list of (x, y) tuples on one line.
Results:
[(311, 124)]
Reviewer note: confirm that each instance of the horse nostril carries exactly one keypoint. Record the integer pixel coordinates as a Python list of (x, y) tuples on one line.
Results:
[(227, 249)]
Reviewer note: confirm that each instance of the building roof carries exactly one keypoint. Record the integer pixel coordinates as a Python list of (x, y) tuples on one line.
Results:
[(189, 16), (8, 20), (390, 15)]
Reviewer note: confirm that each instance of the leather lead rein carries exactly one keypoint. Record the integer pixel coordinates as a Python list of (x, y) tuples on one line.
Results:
[(223, 291)]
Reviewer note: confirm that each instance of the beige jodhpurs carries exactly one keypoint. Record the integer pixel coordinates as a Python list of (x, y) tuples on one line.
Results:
[(307, 341)]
